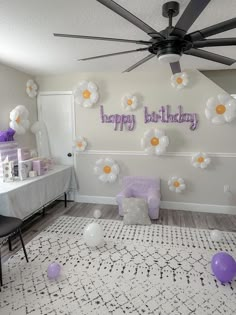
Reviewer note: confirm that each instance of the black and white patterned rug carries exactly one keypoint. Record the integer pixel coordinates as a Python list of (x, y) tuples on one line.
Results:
[(140, 270)]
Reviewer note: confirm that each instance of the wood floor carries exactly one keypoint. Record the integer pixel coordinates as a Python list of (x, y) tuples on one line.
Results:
[(167, 217)]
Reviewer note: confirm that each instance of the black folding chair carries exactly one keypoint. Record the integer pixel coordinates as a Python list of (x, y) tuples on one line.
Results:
[(10, 226)]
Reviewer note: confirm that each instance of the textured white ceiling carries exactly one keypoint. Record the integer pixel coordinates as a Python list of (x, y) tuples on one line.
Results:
[(27, 43)]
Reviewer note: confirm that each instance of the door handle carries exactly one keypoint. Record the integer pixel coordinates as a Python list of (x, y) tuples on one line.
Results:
[(69, 154)]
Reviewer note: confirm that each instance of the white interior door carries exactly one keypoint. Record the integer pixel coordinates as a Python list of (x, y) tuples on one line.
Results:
[(56, 110)]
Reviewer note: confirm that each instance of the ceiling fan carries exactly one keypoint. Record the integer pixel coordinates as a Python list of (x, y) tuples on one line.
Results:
[(174, 41)]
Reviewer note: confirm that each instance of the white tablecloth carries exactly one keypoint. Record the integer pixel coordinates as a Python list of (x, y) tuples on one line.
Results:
[(22, 198)]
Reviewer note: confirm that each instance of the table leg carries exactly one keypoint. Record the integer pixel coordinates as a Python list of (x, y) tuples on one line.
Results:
[(65, 195)]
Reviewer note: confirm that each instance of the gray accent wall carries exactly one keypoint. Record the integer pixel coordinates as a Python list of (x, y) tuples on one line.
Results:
[(226, 79)]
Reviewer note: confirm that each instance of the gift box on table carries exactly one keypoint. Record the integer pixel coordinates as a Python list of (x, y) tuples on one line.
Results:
[(24, 167), (8, 145), (8, 150), (39, 166), (23, 154)]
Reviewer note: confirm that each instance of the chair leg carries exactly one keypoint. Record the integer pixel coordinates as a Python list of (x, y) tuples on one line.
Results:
[(23, 245), (9, 244), (65, 196), (1, 284)]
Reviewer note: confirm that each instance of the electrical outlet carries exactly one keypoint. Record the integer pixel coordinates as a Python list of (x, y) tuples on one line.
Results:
[(226, 188)]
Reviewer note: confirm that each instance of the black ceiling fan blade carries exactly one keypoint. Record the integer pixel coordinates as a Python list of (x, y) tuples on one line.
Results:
[(189, 16), (114, 54), (140, 42), (175, 67), (215, 42), (139, 63), (129, 16), (210, 56), (213, 30)]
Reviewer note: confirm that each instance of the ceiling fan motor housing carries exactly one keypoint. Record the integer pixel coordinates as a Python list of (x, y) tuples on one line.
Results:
[(170, 8)]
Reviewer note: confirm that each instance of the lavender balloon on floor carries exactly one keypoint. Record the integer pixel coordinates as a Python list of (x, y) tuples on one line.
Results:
[(223, 266), (53, 270)]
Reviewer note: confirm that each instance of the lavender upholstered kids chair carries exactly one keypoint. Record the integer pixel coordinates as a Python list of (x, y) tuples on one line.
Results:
[(141, 187)]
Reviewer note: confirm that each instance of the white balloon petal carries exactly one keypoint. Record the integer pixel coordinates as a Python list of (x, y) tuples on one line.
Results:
[(19, 119), (221, 109), (107, 170), (129, 102), (86, 94), (179, 80), (200, 160), (176, 184), (154, 141), (80, 144), (31, 88)]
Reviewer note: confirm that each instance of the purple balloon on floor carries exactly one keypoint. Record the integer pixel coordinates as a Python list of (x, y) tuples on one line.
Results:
[(53, 270), (223, 266)]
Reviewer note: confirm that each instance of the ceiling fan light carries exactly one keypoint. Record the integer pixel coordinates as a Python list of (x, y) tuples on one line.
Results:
[(169, 58)]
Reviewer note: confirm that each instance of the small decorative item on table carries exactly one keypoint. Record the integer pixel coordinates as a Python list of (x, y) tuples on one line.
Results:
[(8, 171), (24, 168), (32, 174)]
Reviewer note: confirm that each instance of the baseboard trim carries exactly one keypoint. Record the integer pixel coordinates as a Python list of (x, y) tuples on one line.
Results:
[(95, 199), (172, 205), (198, 207)]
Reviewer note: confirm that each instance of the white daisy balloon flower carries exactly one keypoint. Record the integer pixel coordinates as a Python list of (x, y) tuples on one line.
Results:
[(221, 109), (179, 80), (176, 184), (31, 88), (154, 141), (200, 160), (129, 102), (107, 170), (19, 119), (86, 94), (80, 144)]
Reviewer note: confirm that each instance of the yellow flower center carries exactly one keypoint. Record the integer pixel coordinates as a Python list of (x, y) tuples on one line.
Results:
[(129, 102), (30, 88), (154, 141), (107, 169), (86, 94), (79, 144), (176, 184), (200, 159), (220, 109), (179, 80), (18, 119)]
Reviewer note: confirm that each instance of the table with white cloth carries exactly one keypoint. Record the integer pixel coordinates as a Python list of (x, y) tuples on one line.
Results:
[(23, 198)]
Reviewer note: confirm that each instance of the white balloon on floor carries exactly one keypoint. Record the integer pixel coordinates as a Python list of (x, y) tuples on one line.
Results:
[(93, 235), (97, 213), (40, 130), (216, 235)]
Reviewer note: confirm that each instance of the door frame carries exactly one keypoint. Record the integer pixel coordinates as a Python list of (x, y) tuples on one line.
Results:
[(39, 115), (39, 111)]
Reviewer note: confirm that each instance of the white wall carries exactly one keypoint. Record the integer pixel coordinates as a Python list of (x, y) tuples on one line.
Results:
[(12, 93), (204, 187)]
